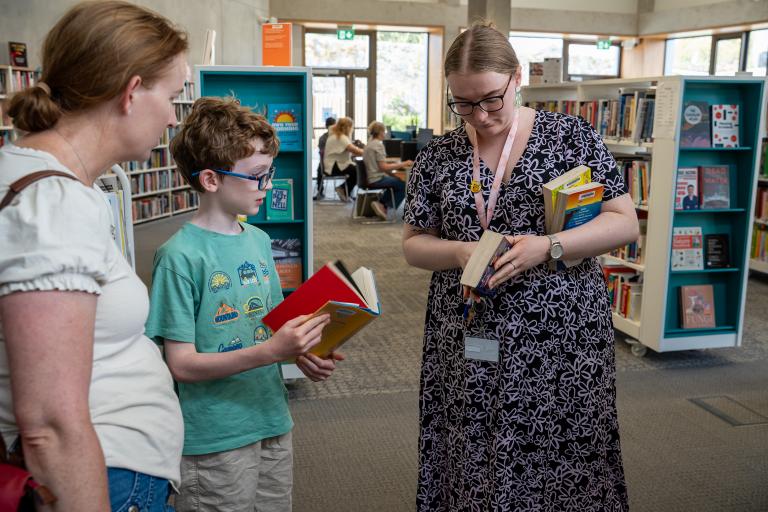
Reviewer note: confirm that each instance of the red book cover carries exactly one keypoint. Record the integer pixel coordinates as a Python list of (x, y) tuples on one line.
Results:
[(697, 306), (324, 286)]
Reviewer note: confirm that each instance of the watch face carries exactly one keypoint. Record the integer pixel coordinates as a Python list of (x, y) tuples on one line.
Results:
[(556, 252)]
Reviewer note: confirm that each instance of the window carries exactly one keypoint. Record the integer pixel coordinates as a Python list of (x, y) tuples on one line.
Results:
[(401, 79), (727, 55), (688, 56), (586, 60), (324, 50), (757, 52), (535, 49)]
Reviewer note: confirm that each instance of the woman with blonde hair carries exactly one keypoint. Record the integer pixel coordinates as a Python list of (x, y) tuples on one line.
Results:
[(85, 393), (381, 172), (518, 398), (338, 156)]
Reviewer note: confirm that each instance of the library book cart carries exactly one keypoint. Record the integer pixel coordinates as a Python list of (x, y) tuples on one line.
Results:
[(262, 89), (657, 323)]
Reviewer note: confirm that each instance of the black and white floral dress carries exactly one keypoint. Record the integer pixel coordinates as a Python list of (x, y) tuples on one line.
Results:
[(538, 430)]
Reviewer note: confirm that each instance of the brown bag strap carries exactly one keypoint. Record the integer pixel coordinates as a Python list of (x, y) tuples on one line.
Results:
[(22, 183)]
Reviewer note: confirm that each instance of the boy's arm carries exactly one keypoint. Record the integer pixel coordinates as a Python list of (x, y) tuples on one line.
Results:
[(294, 338)]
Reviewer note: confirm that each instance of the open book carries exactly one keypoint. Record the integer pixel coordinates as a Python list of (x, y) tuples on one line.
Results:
[(350, 299)]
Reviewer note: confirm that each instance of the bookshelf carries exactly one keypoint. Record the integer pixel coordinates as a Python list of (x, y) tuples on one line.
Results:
[(12, 79), (758, 255), (259, 87), (158, 190), (657, 324)]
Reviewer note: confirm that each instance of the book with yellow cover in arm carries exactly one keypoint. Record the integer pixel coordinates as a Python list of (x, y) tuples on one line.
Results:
[(350, 299), (575, 206), (580, 175)]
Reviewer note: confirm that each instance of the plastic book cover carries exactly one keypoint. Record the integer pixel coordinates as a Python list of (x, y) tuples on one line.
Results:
[(715, 186), (697, 306), (279, 203), (687, 189), (582, 206), (285, 118), (694, 132), (687, 248), (725, 126), (717, 253)]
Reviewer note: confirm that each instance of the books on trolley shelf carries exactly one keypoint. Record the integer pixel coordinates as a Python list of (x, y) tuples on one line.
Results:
[(687, 248), (697, 306)]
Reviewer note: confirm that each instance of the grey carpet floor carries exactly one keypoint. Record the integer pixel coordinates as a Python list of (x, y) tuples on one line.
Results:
[(356, 434)]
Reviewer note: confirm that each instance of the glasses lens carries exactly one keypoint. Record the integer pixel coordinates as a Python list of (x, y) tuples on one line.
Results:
[(264, 179), (492, 104), (462, 109)]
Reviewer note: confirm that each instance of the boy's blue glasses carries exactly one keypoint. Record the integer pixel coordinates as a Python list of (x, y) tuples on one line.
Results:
[(261, 181)]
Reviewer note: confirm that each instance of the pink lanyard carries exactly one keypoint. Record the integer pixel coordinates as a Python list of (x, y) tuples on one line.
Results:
[(475, 186)]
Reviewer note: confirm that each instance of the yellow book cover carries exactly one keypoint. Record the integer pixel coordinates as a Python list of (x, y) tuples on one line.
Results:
[(577, 176)]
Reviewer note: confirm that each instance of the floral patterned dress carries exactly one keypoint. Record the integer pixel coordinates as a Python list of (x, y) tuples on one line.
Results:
[(537, 430)]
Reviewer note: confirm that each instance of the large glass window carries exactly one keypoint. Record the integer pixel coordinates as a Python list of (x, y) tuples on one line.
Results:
[(757, 52), (534, 49), (727, 55), (688, 56), (586, 60), (401, 79), (323, 50)]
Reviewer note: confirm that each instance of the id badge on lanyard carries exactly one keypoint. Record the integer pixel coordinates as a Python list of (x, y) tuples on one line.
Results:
[(477, 348)]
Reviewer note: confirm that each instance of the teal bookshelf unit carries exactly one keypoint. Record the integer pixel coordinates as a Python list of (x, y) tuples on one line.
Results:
[(658, 324), (728, 284), (259, 87)]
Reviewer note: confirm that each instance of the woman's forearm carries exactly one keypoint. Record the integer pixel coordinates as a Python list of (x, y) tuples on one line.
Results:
[(53, 449), (429, 252), (606, 232)]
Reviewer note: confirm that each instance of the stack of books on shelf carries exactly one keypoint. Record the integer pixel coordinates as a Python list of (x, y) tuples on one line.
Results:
[(704, 187), (177, 180), (287, 255), (637, 176), (149, 182), (185, 199), (625, 291), (149, 207), (634, 252), (693, 250)]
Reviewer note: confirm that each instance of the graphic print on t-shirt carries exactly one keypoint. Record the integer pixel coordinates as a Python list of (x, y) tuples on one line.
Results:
[(247, 274), (219, 281), (225, 314), (260, 334), (254, 306), (234, 344), (264, 269)]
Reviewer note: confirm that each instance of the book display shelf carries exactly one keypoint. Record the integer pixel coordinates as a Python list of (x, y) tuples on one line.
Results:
[(758, 261), (158, 190), (12, 79), (283, 95), (655, 318)]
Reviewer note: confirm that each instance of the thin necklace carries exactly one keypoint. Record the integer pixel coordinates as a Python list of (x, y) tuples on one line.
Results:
[(85, 169)]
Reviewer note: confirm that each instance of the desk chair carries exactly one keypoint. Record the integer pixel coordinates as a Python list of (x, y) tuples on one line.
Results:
[(367, 193), (336, 181)]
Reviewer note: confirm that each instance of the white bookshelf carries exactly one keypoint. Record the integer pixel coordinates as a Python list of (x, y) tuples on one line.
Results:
[(656, 327), (160, 198), (12, 79)]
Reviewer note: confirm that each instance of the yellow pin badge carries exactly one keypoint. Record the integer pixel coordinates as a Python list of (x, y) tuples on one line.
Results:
[(474, 186)]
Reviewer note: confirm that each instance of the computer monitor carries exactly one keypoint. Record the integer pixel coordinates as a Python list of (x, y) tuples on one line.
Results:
[(393, 147), (410, 149), (423, 138)]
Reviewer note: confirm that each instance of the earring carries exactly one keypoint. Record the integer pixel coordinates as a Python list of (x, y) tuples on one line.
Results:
[(518, 98)]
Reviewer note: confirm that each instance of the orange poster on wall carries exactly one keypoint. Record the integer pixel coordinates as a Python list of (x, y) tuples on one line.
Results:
[(276, 44)]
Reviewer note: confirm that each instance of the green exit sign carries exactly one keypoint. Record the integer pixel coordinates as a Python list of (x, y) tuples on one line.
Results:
[(603, 44), (345, 33)]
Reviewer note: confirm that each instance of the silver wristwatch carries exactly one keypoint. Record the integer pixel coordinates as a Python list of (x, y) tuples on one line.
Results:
[(555, 248)]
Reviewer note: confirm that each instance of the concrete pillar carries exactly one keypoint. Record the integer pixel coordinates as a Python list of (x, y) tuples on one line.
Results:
[(497, 11)]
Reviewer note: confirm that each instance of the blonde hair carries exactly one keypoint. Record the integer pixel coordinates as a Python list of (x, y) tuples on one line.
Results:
[(342, 127), (481, 48), (376, 128), (216, 134), (90, 55)]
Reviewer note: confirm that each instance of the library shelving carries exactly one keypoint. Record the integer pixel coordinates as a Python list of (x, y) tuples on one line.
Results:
[(290, 88), (158, 190), (654, 320), (12, 79), (758, 261)]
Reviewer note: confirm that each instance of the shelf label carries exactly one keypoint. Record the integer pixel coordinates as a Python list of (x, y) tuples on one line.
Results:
[(666, 110)]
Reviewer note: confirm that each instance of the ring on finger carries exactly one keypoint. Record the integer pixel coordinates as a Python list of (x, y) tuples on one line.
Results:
[(514, 267)]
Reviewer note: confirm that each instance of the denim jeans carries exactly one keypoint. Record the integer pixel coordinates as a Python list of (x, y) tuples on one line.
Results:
[(142, 492), (386, 197)]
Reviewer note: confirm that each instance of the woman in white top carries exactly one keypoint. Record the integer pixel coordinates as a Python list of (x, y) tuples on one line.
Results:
[(338, 156), (81, 387)]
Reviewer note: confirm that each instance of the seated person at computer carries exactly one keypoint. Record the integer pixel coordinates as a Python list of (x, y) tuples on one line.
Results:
[(381, 173), (338, 156)]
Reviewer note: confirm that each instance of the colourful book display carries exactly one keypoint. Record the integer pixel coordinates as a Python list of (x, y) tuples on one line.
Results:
[(725, 126), (687, 189), (697, 307), (280, 200), (694, 132), (715, 186), (285, 118), (687, 250)]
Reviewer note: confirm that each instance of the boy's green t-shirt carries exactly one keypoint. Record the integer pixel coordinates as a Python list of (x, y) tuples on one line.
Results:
[(213, 290)]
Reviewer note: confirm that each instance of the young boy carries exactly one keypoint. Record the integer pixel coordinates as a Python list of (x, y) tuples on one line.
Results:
[(212, 283)]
